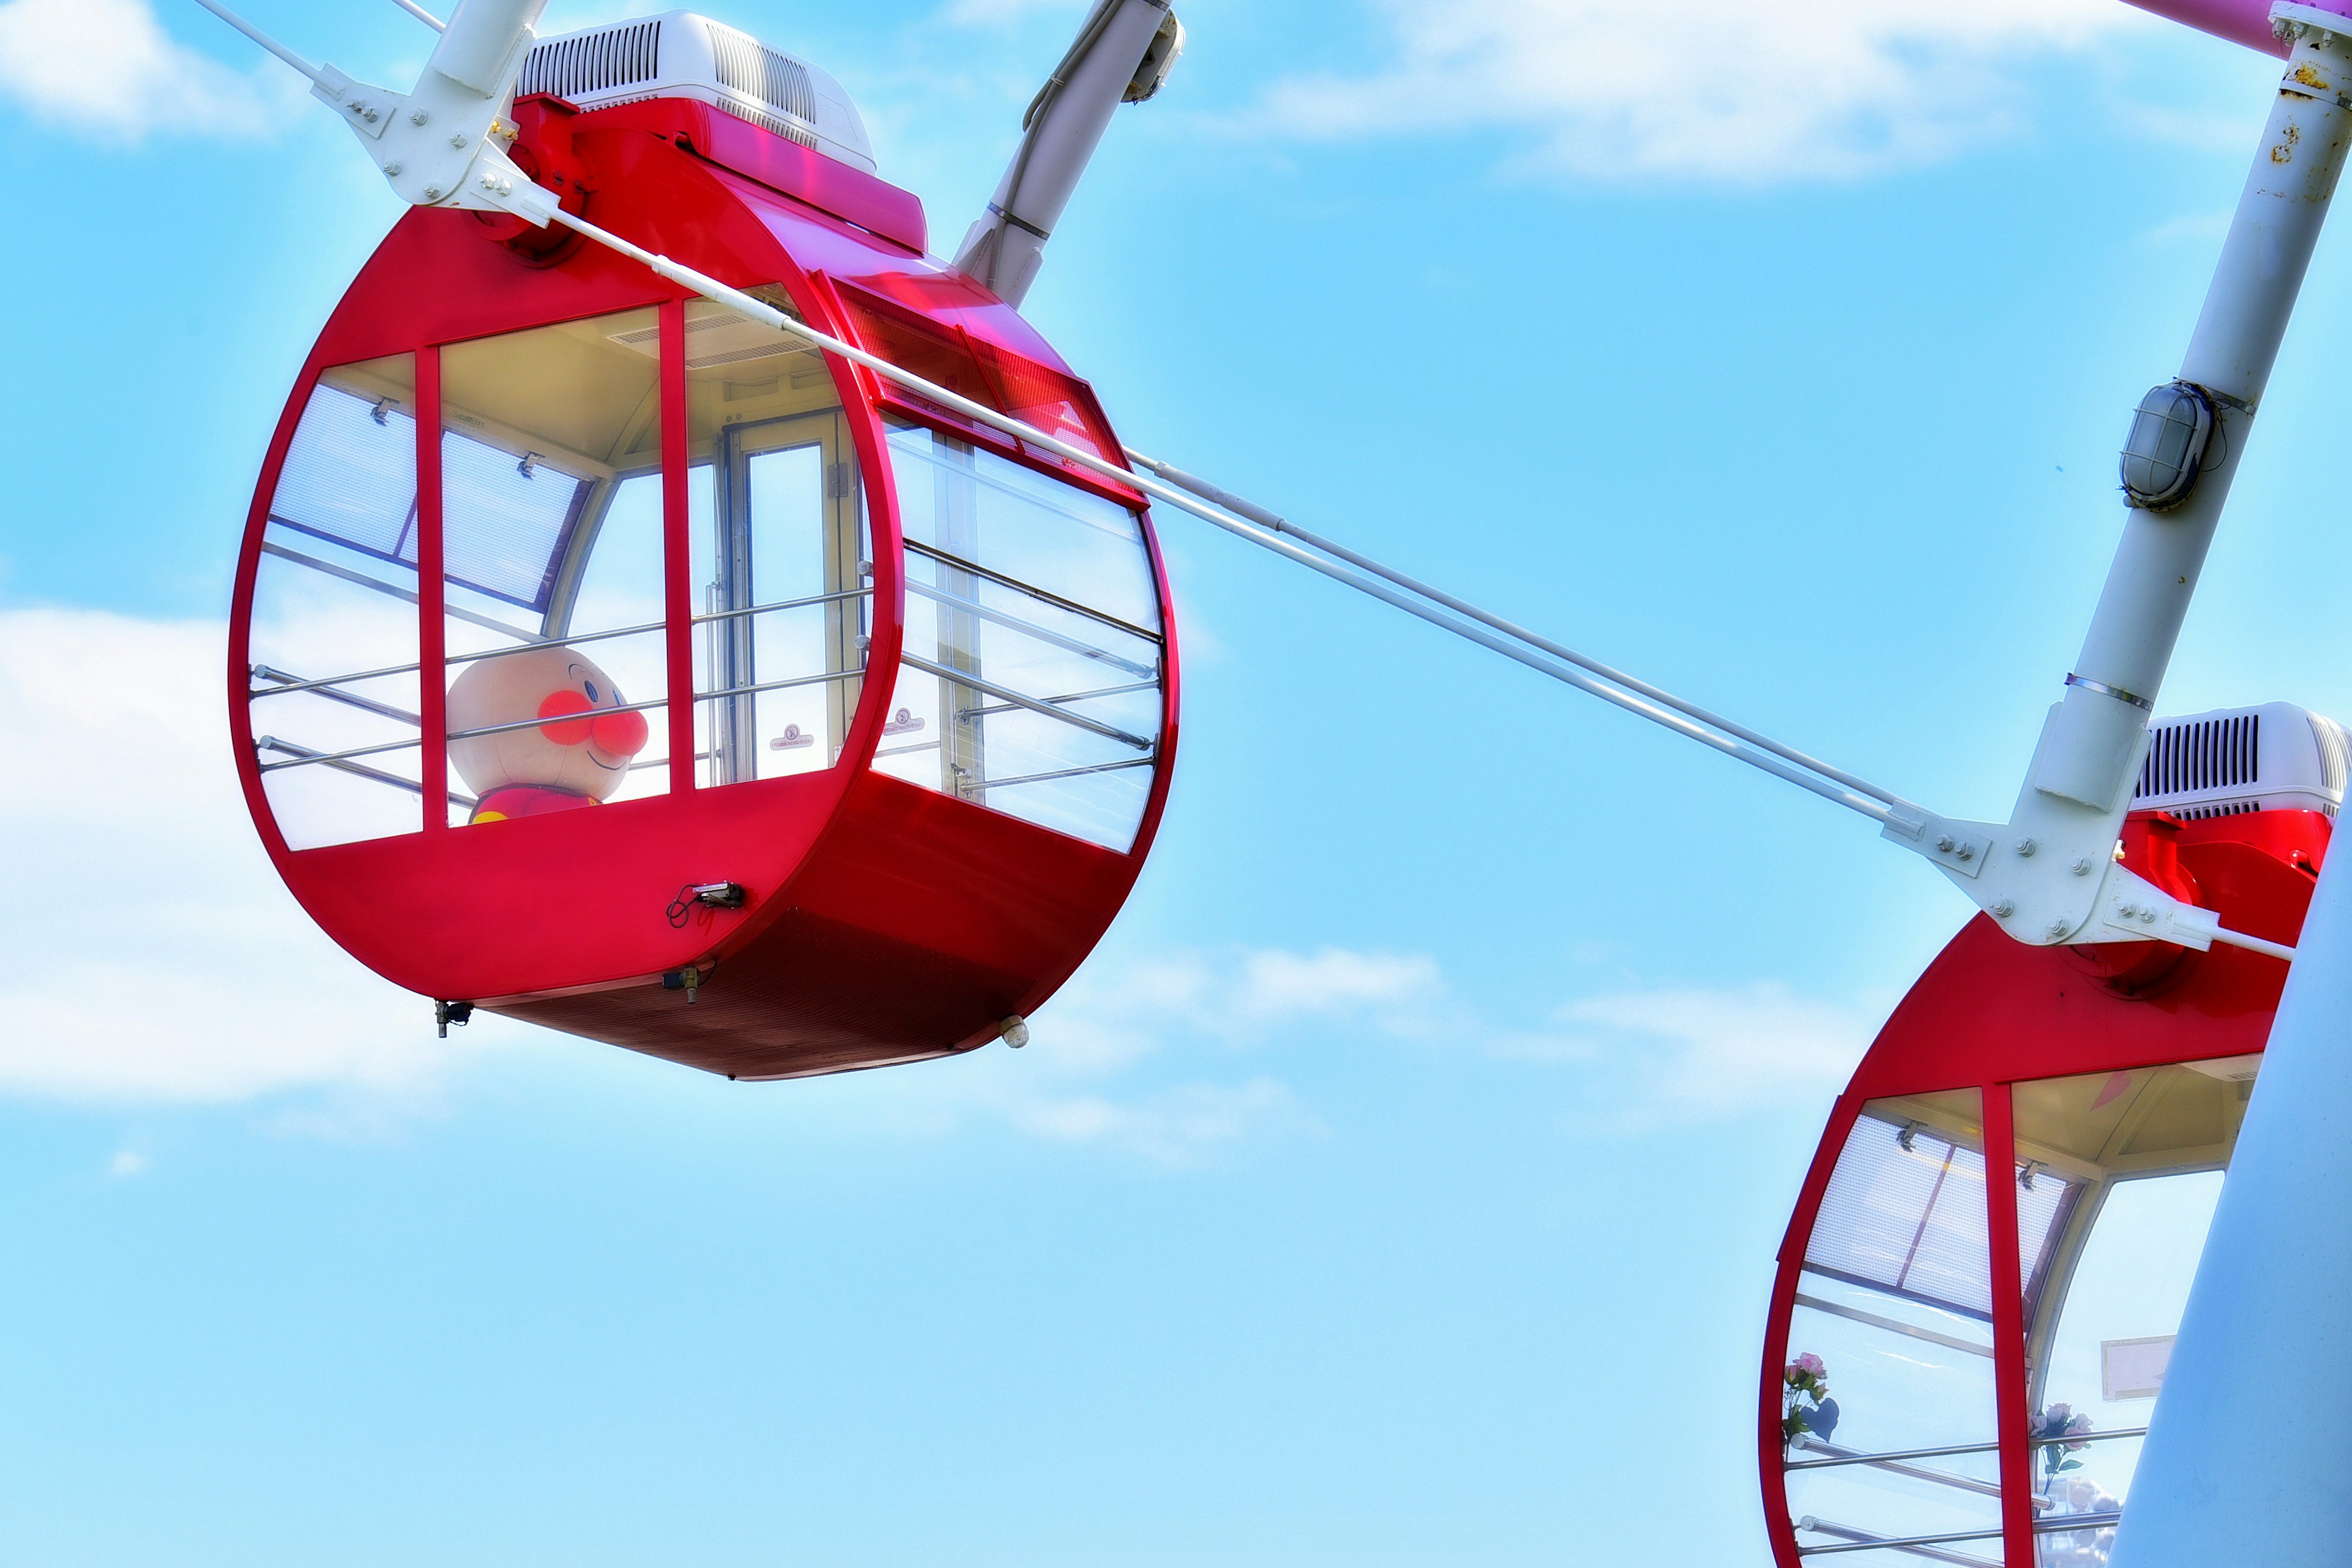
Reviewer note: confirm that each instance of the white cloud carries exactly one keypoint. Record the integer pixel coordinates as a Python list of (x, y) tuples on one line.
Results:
[(1697, 1054), (108, 69), (153, 954), (1742, 91)]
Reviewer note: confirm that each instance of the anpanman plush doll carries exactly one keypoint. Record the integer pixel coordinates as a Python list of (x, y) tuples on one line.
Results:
[(577, 755)]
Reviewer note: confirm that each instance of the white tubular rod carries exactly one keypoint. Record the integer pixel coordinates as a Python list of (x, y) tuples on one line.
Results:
[(709, 288), (422, 15), (2254, 944), (1233, 503), (264, 39), (2087, 754)]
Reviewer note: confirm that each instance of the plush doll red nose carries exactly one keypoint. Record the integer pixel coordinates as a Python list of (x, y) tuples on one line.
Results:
[(620, 733), (566, 731)]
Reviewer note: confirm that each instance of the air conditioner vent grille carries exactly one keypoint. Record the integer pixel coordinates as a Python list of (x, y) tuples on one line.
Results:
[(593, 62), (2208, 753), (757, 71)]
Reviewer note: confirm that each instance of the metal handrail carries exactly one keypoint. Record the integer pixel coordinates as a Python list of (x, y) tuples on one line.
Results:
[(1918, 1546), (271, 743), (1018, 586), (348, 699), (1133, 686), (1006, 694), (536, 641), (1893, 1464), (374, 775), (1030, 628), (1853, 1456), (985, 785), (380, 586)]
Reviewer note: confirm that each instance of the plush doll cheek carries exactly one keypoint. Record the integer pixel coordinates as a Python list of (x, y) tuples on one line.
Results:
[(566, 731), (621, 734)]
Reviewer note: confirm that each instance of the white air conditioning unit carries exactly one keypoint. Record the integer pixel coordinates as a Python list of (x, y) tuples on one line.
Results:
[(681, 54), (2276, 757)]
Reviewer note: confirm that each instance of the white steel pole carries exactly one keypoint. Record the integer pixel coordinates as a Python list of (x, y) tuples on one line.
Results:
[(2091, 744), (1006, 246), (2248, 1453)]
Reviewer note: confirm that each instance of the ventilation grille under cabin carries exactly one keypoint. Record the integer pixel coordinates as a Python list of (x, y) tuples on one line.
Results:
[(593, 64), (2274, 757)]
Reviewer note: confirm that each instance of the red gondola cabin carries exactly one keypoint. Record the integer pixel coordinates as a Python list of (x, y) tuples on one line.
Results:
[(1959, 1368), (602, 659)]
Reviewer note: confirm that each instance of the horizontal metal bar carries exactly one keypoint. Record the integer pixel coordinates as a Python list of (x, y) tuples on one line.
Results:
[(1030, 628), (1893, 1464), (357, 769), (959, 564), (2060, 1523), (1019, 700), (589, 713), (985, 785), (273, 743), (1133, 686), (348, 699), (782, 604), (380, 586), (1855, 1457), (1917, 1545), (567, 639), (1893, 1325), (2088, 1436), (907, 751), (780, 685)]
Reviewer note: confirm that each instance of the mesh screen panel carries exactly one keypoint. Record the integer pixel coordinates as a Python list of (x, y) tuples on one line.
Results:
[(1908, 1221), (350, 476)]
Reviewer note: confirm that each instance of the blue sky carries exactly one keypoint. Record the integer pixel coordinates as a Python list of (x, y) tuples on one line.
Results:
[(1400, 1182)]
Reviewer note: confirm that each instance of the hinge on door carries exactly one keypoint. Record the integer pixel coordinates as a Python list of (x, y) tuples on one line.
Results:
[(836, 481)]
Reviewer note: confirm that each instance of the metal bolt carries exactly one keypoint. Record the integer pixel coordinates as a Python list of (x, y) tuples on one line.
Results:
[(419, 118), (2004, 909), (432, 192), (2147, 917), (2057, 930), (2083, 868), (2026, 846), (1967, 852), (2127, 910), (458, 140), (392, 171), (1944, 843)]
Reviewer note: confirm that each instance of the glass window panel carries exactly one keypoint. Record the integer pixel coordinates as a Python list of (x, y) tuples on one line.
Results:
[(1890, 1319), (2138, 1153), (333, 634), (1032, 671), (781, 586), (553, 568)]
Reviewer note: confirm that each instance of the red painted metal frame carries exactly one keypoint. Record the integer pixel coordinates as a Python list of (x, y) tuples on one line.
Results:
[(1990, 1013), (885, 921)]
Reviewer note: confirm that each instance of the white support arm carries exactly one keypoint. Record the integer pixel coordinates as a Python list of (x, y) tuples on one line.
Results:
[(1123, 50), (443, 143)]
